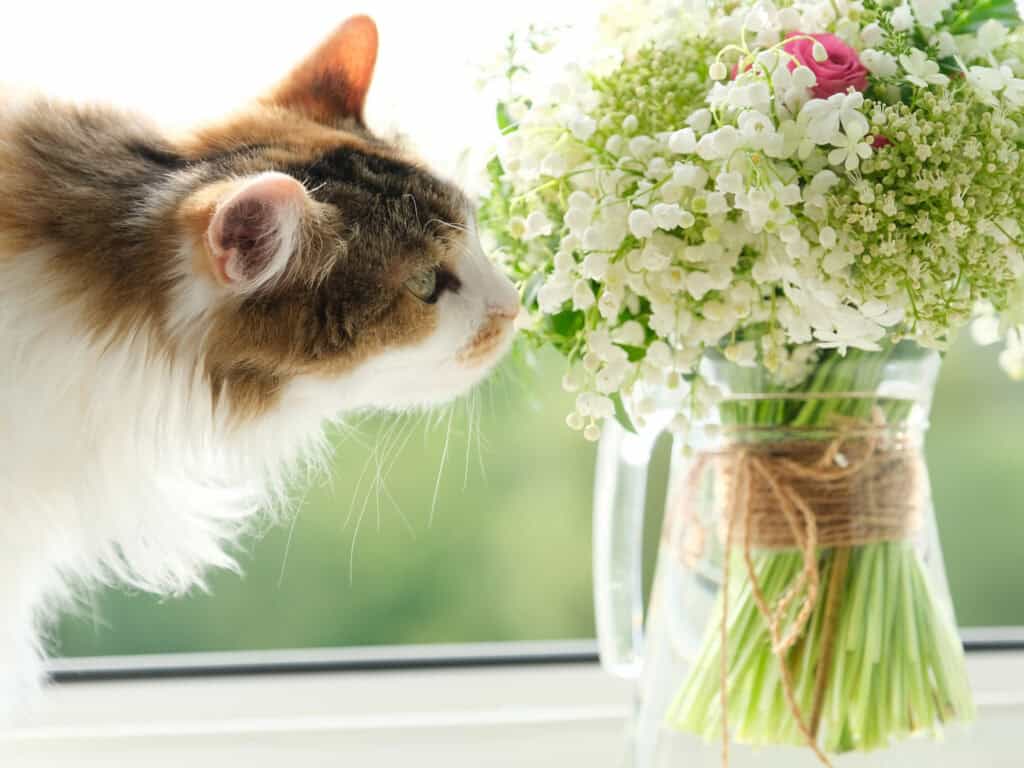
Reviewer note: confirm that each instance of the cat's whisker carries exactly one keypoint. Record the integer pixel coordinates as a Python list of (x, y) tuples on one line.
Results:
[(440, 469), (468, 405), (391, 453)]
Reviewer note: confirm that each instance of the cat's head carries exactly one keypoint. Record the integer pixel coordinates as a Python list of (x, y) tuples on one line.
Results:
[(323, 262)]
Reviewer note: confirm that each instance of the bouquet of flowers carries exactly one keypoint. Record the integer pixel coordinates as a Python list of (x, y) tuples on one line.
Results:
[(798, 186)]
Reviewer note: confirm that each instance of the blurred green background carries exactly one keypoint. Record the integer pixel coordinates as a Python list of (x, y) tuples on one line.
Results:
[(505, 553)]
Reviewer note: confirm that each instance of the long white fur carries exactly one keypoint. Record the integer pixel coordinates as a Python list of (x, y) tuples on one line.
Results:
[(114, 469)]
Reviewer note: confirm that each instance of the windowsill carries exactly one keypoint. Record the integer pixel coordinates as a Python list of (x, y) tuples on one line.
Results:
[(478, 713)]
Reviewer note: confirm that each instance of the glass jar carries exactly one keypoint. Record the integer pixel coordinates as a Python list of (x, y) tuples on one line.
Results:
[(800, 597)]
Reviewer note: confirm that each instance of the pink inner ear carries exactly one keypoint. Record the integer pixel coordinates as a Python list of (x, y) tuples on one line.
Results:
[(253, 231)]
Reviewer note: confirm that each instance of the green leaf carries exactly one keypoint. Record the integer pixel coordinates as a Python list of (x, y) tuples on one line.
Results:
[(494, 169), (974, 15), (620, 414), (633, 353), (567, 323), (505, 122)]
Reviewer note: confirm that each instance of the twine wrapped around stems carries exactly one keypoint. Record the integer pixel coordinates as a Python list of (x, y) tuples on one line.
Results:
[(862, 486)]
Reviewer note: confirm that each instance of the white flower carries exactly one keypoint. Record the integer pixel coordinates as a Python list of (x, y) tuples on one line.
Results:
[(1012, 358), (553, 294), (630, 124), (827, 237), (667, 215), (725, 140), (985, 329), (922, 71), (582, 295), (902, 18), (743, 353), (819, 186), (630, 333), (991, 35), (1014, 92), (641, 223), (537, 225), (716, 204), (929, 12), (583, 127), (946, 44), (730, 181), (554, 164), (642, 147), (689, 175), (683, 141), (609, 305), (823, 118), (818, 52), (879, 63), (700, 120), (564, 262), (836, 261), (611, 377), (987, 81), (871, 36), (717, 71), (659, 354), (698, 284), (756, 129), (595, 265), (849, 151)]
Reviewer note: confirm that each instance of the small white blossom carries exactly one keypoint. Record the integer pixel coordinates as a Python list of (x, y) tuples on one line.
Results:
[(849, 151), (641, 223), (630, 333), (921, 71), (667, 216), (683, 141), (879, 63), (537, 225), (743, 353), (824, 118), (700, 120), (991, 35), (871, 35), (902, 18), (583, 127), (929, 12)]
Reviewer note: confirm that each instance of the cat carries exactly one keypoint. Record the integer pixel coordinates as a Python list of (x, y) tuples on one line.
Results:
[(180, 315)]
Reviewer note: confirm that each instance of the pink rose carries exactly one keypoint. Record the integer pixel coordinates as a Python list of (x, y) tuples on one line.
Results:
[(840, 71)]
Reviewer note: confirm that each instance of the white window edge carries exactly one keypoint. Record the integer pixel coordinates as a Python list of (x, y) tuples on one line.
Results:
[(448, 717)]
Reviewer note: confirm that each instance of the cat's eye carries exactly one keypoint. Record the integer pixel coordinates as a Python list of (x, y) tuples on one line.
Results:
[(427, 285), (423, 285)]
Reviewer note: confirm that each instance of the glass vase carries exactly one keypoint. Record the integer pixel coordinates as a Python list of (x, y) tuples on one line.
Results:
[(800, 609)]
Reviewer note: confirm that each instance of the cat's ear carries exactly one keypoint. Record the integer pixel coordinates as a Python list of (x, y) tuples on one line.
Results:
[(331, 84), (255, 229)]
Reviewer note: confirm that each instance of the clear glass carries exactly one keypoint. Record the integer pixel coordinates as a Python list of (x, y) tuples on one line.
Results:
[(893, 671)]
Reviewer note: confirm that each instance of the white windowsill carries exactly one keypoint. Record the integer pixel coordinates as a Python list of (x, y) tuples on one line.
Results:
[(481, 716)]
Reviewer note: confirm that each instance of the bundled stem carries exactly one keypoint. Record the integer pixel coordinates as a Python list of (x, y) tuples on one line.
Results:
[(841, 599)]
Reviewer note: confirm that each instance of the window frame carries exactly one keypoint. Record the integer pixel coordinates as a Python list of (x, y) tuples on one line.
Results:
[(538, 704)]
